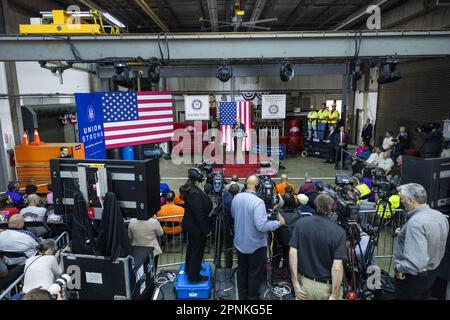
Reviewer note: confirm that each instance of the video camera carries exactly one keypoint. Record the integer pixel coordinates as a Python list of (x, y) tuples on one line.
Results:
[(428, 127), (215, 178), (384, 186)]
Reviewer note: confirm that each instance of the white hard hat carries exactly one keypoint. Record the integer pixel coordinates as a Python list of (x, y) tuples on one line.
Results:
[(303, 198)]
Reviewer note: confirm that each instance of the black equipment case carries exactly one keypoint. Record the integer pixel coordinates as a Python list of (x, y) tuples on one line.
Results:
[(99, 278)]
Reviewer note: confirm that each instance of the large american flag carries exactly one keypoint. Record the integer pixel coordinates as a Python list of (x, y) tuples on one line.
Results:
[(228, 113), (134, 118)]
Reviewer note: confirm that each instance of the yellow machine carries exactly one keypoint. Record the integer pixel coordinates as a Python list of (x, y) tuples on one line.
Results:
[(64, 22)]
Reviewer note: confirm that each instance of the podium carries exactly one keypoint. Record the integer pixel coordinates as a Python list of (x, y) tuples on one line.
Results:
[(238, 136)]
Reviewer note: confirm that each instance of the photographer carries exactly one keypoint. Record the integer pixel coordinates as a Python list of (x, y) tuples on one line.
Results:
[(401, 142), (318, 249), (250, 238), (228, 225), (420, 246), (196, 223), (432, 144), (42, 269)]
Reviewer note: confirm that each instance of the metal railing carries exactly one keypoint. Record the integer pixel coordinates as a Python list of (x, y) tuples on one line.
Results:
[(173, 243), (62, 241)]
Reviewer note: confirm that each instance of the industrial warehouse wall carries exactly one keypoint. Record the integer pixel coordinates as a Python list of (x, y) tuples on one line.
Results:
[(316, 88), (35, 80), (422, 95)]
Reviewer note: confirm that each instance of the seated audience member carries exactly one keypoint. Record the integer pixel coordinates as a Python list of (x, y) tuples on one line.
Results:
[(307, 187), (35, 210), (163, 187), (228, 225), (50, 194), (38, 294), (318, 249), (42, 269), (234, 180), (30, 189), (396, 169), (386, 162), (304, 207), (171, 226), (52, 217), (7, 207), (178, 201), (3, 269), (145, 233), (358, 159), (281, 187), (14, 194), (17, 240), (375, 156)]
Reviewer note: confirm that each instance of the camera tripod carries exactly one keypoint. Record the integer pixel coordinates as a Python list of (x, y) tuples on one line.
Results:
[(357, 266), (219, 234)]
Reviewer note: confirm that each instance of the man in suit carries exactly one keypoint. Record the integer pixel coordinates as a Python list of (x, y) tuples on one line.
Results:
[(341, 141), (238, 126), (329, 139), (366, 134)]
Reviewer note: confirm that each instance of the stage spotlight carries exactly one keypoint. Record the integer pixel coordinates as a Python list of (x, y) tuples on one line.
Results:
[(122, 75), (154, 74), (357, 73), (224, 72), (286, 72), (389, 72)]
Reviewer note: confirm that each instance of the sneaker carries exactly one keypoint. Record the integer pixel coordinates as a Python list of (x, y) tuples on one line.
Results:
[(202, 279)]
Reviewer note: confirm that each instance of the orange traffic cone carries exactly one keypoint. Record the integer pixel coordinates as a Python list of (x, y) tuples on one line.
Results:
[(25, 141), (37, 141)]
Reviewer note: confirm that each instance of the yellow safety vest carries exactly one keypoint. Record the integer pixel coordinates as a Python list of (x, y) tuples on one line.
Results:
[(395, 204), (333, 114), (364, 190), (323, 116), (312, 117)]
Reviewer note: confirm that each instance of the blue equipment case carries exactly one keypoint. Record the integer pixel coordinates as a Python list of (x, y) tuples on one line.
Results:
[(187, 290)]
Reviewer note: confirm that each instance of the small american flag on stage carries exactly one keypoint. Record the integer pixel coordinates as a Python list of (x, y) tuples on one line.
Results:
[(229, 111), (131, 118)]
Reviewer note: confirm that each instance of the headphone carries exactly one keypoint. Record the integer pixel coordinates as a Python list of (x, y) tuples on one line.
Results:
[(196, 175)]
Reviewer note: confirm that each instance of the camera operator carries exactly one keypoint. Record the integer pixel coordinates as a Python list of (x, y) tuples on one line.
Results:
[(283, 234), (400, 142), (250, 238), (420, 246), (228, 226), (432, 144), (196, 223), (318, 249)]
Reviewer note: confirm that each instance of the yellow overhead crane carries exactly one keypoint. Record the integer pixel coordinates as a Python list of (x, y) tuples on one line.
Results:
[(67, 23)]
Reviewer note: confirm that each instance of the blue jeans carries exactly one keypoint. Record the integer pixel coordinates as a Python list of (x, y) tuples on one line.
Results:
[(312, 131), (321, 130)]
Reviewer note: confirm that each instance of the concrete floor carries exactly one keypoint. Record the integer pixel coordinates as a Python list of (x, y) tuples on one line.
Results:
[(175, 175)]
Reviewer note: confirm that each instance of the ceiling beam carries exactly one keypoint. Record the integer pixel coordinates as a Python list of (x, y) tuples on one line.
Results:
[(149, 11), (338, 13), (299, 12), (213, 17), (357, 15), (257, 11), (232, 46)]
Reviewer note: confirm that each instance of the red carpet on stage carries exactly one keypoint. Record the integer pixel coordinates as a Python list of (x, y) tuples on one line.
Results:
[(248, 168)]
